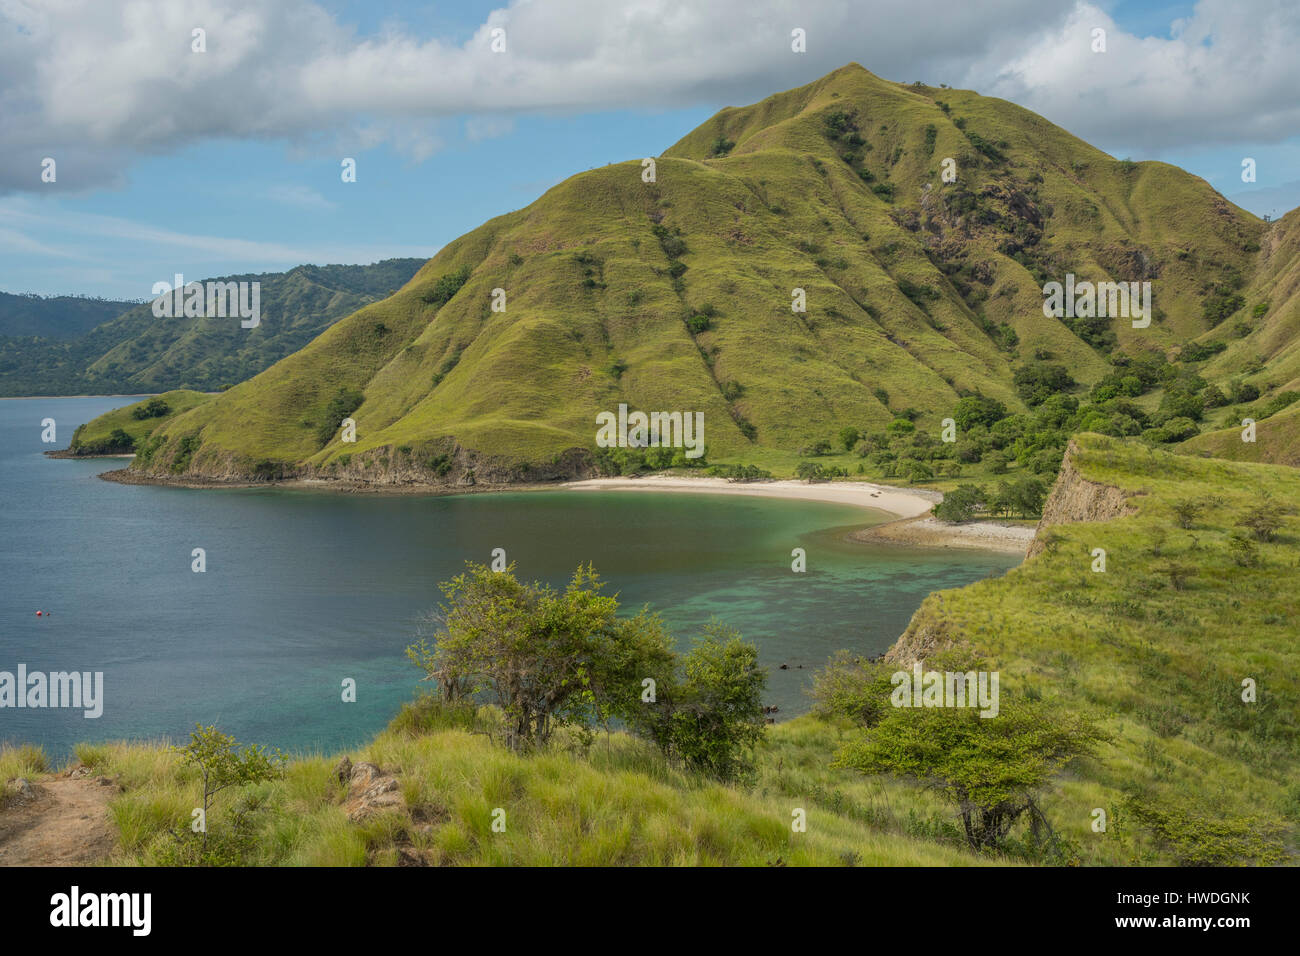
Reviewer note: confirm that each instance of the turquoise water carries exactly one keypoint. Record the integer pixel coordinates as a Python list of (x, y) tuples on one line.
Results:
[(304, 589)]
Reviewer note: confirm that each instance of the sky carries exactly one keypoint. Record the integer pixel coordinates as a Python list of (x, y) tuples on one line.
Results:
[(227, 160)]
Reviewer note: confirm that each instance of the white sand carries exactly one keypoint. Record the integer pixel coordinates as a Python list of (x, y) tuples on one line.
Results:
[(897, 502)]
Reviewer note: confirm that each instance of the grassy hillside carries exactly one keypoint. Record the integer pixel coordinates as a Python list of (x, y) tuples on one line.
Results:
[(617, 804), (123, 430), (133, 351), (1152, 648), (1191, 604), (677, 294)]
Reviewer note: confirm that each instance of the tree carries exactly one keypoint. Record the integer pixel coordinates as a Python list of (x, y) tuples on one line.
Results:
[(960, 504), (977, 410), (222, 765), (711, 717), (1186, 512), (549, 658), (990, 769), (1038, 382), (1263, 522), (154, 408), (849, 437)]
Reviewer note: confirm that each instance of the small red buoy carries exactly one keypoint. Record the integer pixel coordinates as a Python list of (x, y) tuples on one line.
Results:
[(38, 613)]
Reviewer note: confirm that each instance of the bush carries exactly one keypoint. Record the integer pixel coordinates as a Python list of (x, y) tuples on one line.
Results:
[(344, 403), (714, 715), (1038, 382), (446, 287), (1186, 512), (1263, 522), (960, 504), (698, 324), (977, 410), (154, 408)]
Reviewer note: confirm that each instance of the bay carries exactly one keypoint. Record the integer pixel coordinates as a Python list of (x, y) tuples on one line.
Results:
[(304, 589)]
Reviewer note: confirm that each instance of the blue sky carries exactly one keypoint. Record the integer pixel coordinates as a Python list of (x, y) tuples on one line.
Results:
[(237, 173)]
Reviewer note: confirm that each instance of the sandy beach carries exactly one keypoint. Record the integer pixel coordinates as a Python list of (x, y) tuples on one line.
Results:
[(896, 502), (914, 525)]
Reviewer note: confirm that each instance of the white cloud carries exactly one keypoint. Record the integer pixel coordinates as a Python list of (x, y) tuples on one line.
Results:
[(98, 239), (1228, 74), (96, 84), (297, 195)]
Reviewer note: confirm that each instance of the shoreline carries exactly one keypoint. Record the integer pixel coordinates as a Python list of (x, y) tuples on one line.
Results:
[(897, 503), (25, 398), (927, 531), (909, 522)]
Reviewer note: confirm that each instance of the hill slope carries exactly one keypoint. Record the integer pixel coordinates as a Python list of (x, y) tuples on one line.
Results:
[(676, 295), (55, 316), (133, 351), (1152, 647)]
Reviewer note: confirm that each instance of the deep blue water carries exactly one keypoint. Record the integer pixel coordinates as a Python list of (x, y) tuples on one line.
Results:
[(304, 589)]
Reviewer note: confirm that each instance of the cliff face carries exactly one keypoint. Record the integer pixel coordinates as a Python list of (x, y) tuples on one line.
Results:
[(1074, 498), (927, 634)]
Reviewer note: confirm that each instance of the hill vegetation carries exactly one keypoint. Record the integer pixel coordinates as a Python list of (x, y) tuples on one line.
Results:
[(128, 350), (1135, 726), (923, 301), (55, 316)]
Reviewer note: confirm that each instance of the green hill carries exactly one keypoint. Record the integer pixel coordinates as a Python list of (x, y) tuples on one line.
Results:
[(54, 316), (133, 351), (677, 295)]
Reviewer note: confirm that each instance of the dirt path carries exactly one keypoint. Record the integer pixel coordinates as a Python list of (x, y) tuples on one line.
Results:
[(64, 822)]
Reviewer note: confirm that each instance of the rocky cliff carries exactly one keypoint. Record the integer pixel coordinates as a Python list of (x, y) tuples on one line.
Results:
[(1073, 498)]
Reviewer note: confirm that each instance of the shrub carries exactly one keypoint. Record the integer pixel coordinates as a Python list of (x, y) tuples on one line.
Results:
[(1037, 382), (1186, 512), (977, 410), (446, 287), (1264, 521), (960, 504), (154, 408), (344, 403)]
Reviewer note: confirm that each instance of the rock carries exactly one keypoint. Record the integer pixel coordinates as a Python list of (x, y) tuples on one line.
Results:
[(24, 788), (408, 855), (76, 773), (343, 770), (370, 791)]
